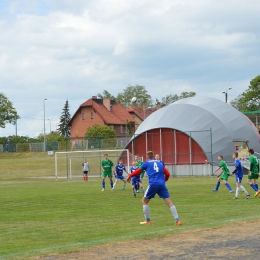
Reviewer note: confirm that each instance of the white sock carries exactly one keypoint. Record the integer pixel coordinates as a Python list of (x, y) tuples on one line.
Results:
[(237, 191), (124, 185), (243, 189), (146, 210), (114, 185), (174, 212)]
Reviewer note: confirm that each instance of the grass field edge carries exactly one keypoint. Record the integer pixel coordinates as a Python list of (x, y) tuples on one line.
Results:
[(37, 253)]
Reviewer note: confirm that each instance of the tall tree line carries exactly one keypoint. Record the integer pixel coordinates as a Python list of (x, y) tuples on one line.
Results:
[(143, 97)]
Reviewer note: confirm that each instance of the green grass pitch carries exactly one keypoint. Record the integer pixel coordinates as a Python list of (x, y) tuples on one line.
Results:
[(43, 216)]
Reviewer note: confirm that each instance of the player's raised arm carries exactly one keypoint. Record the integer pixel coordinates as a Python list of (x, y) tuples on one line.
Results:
[(134, 173), (166, 173)]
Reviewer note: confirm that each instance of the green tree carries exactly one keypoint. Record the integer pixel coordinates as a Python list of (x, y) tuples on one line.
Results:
[(187, 94), (22, 139), (169, 99), (105, 94), (249, 100), (99, 131), (13, 139), (101, 136), (143, 98), (8, 113), (172, 98), (236, 103), (63, 127), (130, 127), (52, 136)]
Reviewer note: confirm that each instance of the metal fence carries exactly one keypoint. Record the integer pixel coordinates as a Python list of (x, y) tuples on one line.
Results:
[(78, 145), (179, 150)]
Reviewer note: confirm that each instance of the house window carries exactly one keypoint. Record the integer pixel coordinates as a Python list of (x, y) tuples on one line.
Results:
[(121, 129), (91, 115), (83, 116)]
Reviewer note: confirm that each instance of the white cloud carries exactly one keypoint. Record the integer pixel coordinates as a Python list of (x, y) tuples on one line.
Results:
[(75, 49), (120, 48)]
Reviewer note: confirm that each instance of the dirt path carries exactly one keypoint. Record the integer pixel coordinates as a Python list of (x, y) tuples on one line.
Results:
[(236, 241)]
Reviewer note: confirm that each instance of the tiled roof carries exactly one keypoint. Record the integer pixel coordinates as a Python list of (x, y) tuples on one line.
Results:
[(117, 115), (141, 111)]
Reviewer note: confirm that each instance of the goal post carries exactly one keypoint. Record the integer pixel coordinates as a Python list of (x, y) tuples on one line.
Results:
[(69, 164)]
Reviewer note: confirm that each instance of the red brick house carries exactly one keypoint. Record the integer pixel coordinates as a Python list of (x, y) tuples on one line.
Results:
[(102, 112), (140, 113)]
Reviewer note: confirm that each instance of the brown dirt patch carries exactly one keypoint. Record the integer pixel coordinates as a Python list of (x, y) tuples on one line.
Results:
[(237, 241)]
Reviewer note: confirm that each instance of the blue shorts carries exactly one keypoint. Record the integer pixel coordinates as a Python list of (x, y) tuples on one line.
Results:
[(239, 179), (135, 180), (120, 177), (154, 189)]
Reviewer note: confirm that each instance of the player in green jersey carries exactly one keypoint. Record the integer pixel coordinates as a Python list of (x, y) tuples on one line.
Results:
[(107, 167), (138, 161), (253, 171), (224, 174)]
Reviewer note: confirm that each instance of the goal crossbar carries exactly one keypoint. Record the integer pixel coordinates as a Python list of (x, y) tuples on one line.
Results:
[(79, 154)]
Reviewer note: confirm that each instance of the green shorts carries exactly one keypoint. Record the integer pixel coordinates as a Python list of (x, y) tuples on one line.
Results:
[(142, 175), (253, 176), (107, 174), (224, 176)]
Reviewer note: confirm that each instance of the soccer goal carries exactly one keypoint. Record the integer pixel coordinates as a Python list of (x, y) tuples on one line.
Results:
[(69, 164)]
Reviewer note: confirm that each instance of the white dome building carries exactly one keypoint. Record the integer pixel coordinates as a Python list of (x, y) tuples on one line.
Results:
[(195, 130)]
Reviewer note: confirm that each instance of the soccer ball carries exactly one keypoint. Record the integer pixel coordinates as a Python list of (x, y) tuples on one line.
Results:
[(134, 99)]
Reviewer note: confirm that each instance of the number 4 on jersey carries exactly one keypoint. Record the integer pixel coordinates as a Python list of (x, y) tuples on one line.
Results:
[(155, 167)]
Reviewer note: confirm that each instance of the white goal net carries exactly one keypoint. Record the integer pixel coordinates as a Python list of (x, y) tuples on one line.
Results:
[(69, 164)]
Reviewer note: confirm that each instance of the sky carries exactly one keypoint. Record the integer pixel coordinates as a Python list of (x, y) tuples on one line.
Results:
[(72, 50)]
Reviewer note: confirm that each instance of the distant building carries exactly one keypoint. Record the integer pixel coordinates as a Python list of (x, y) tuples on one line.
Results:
[(140, 113), (102, 112), (193, 132)]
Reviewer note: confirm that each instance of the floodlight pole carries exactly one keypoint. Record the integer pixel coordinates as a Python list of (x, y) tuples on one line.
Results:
[(16, 126), (44, 136), (226, 95), (50, 123)]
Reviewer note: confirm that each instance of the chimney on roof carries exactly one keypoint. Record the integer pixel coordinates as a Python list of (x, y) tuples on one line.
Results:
[(107, 104), (94, 97)]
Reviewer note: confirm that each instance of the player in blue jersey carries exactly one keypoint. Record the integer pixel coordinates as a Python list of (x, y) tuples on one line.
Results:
[(157, 175), (239, 175), (120, 168), (136, 180)]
